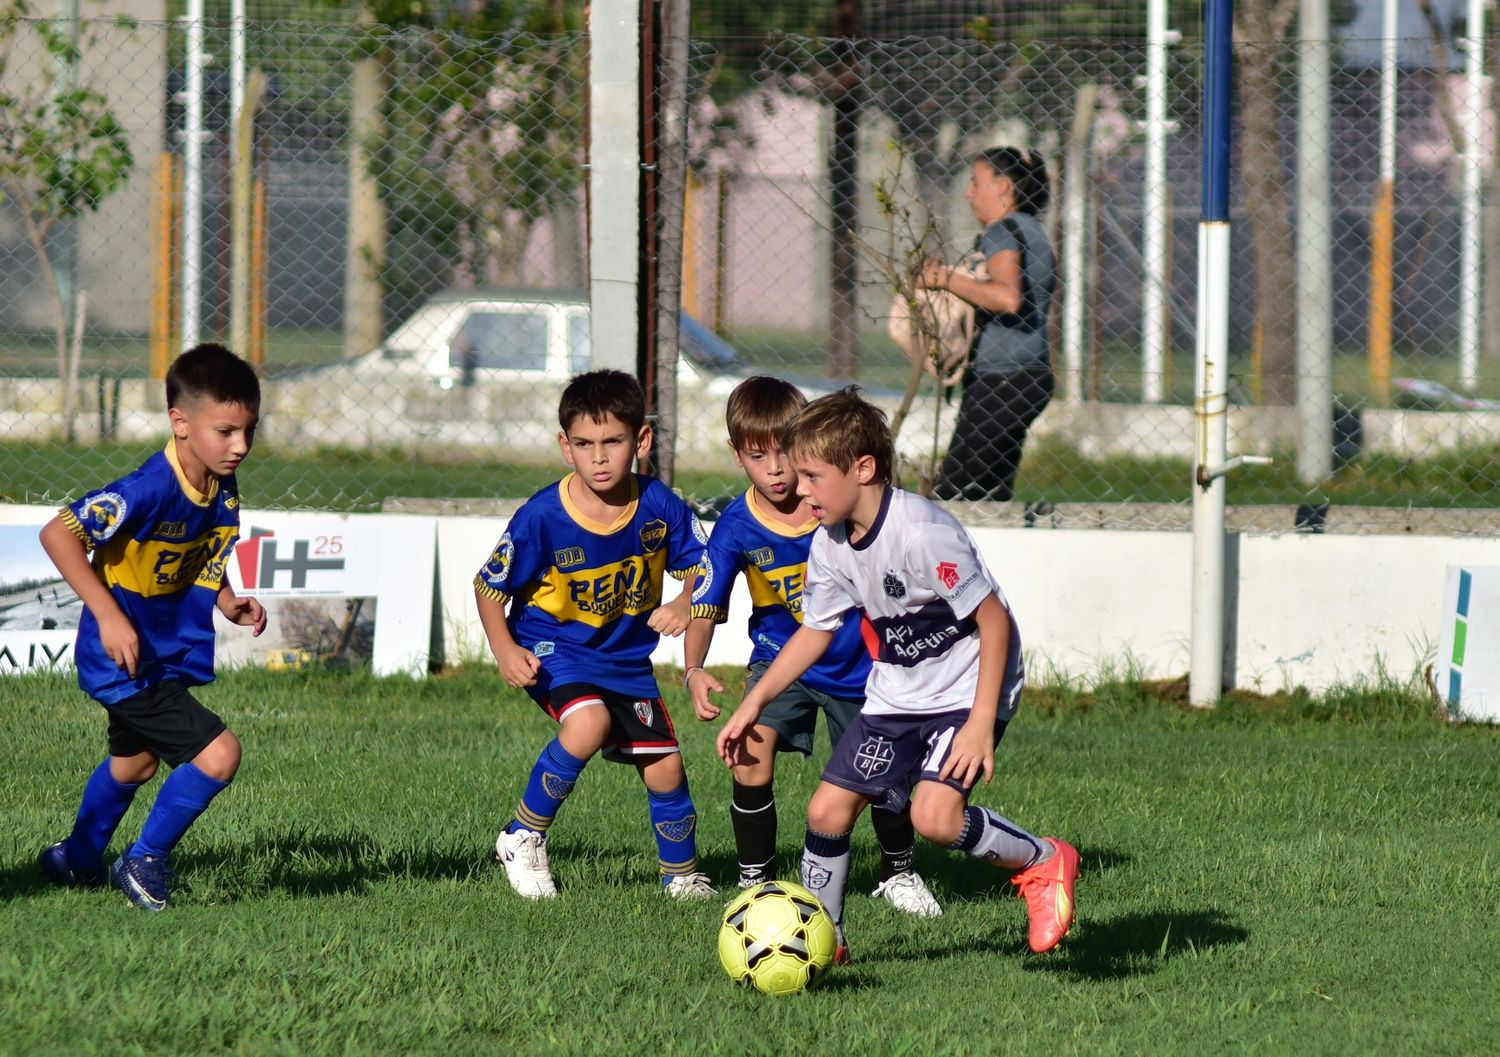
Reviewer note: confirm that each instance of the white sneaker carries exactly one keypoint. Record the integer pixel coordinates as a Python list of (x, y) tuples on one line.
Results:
[(906, 891), (524, 856), (690, 886)]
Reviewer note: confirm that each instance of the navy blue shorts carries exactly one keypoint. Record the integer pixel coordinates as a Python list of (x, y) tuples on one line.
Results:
[(883, 757), (639, 728)]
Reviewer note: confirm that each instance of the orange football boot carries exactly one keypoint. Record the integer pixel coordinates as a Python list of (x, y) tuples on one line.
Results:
[(1048, 890)]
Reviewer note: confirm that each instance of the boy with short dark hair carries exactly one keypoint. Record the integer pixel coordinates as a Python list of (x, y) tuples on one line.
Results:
[(946, 678), (765, 534), (581, 566), (159, 538)]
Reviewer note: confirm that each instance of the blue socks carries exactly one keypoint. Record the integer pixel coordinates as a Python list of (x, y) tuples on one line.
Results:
[(183, 797), (675, 823), (105, 802), (552, 779)]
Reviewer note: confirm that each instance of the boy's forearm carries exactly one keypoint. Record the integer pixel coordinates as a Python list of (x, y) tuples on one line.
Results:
[(994, 651), (700, 635), (799, 654), (496, 630)]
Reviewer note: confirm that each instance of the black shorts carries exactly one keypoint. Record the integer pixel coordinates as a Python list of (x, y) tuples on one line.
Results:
[(165, 720), (639, 728)]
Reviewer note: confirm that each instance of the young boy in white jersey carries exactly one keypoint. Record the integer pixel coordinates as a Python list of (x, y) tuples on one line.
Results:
[(946, 678), (764, 534)]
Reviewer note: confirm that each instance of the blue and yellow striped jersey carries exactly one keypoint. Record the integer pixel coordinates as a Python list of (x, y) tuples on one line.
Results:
[(159, 545), (580, 592), (773, 558)]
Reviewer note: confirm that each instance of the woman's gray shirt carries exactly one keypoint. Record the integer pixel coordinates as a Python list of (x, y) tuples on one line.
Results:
[(1008, 342)]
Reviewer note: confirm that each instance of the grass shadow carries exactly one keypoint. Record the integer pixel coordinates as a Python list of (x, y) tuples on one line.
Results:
[(1137, 944)]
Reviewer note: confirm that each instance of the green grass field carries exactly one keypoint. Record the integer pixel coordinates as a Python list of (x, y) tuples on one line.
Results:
[(1311, 875)]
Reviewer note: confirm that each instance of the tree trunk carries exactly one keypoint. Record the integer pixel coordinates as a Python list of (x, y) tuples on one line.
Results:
[(1262, 161), (843, 191)]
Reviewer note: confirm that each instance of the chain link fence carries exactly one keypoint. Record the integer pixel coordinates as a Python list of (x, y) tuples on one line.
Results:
[(412, 264)]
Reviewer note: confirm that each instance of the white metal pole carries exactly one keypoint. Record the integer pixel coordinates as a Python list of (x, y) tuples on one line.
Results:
[(1388, 81), (236, 75), (1154, 220), (614, 181), (1075, 263), (1206, 667), (192, 178), (1472, 264), (1314, 241)]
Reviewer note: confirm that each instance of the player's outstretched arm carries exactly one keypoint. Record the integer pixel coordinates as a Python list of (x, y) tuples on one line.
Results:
[(116, 633), (973, 751), (245, 611), (799, 654), (699, 681), (518, 665)]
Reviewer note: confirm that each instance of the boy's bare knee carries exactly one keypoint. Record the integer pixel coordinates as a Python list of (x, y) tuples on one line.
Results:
[(664, 774), (220, 758), (937, 813), (133, 770), (584, 731)]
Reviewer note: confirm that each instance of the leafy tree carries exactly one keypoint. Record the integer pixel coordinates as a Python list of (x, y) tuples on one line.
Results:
[(62, 150)]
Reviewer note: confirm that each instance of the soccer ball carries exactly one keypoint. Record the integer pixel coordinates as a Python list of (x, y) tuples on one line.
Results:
[(777, 938)]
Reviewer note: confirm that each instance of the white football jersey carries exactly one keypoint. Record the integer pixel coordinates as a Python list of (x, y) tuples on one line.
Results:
[(917, 578)]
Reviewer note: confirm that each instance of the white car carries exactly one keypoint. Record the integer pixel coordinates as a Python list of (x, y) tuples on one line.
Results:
[(464, 337)]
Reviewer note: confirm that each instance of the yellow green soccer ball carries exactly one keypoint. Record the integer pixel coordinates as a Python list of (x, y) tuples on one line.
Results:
[(777, 938)]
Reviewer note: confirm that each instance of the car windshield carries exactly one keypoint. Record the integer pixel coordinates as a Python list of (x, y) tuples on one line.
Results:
[(705, 348)]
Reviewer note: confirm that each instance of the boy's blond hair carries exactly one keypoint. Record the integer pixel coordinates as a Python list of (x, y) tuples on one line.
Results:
[(840, 428), (759, 409)]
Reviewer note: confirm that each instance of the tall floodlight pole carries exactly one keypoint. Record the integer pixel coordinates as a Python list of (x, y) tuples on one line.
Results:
[(1314, 268), (1471, 270), (1154, 221), (192, 178), (1383, 220), (1211, 400)]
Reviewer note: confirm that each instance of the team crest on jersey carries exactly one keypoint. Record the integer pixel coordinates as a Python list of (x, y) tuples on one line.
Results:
[(698, 533), (874, 756), (102, 514), (231, 501), (760, 557), (653, 534), (171, 530), (705, 579), (542, 649), (947, 574), (893, 586), (643, 712), (567, 557), (498, 567)]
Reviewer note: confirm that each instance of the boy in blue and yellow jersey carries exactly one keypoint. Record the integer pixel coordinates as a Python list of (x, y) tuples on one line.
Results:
[(581, 565), (765, 534), (159, 539)]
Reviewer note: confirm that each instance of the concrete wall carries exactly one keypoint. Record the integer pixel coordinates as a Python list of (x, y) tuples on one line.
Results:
[(1313, 610)]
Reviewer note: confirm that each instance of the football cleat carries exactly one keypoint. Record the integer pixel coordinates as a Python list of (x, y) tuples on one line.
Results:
[(524, 856), (690, 886), (907, 891), (143, 879), (1048, 890), (841, 955), (57, 869)]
